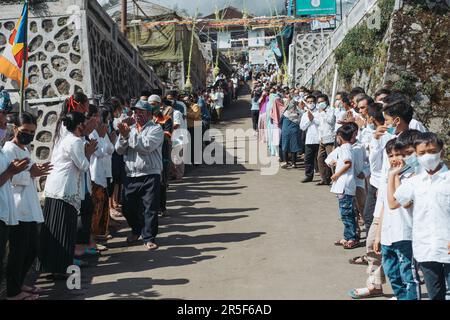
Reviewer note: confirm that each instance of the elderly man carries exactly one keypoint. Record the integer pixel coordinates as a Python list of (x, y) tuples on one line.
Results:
[(141, 145)]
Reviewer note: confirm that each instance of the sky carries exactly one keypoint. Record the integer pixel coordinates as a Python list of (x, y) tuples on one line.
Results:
[(258, 7)]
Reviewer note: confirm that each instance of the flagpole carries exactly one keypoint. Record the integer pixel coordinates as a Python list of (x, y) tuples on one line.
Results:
[(24, 63)]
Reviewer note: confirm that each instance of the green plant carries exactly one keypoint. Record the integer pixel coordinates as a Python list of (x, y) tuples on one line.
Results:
[(406, 84)]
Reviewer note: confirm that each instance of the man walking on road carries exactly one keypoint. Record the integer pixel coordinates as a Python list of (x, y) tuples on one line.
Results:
[(141, 145)]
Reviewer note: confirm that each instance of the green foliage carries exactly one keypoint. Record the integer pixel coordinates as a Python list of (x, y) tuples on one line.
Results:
[(406, 84), (361, 44)]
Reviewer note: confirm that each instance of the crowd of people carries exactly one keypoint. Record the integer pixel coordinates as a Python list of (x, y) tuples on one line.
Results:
[(108, 161), (386, 170)]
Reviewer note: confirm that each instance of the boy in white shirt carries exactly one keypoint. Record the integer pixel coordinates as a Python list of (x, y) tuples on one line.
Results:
[(344, 185), (394, 232), (429, 194)]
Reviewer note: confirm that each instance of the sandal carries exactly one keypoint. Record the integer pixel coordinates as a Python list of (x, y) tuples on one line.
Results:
[(32, 289), (360, 260), (351, 244), (341, 242), (362, 293), (150, 246), (25, 296)]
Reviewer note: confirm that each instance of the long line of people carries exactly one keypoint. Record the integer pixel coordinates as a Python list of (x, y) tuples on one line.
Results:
[(109, 161), (386, 170)]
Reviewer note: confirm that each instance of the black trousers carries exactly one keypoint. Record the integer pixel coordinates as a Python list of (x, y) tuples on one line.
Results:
[(164, 184), (85, 220), (255, 117), (4, 234), (141, 205), (437, 278), (369, 206), (311, 151), (23, 240)]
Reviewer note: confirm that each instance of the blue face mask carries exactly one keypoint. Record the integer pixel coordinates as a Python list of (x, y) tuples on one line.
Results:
[(412, 161), (391, 129), (371, 126)]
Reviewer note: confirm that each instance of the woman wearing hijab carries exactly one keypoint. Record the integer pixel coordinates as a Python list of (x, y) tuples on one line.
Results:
[(290, 138)]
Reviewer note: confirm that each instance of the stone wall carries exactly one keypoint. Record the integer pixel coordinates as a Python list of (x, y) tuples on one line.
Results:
[(74, 45), (413, 57)]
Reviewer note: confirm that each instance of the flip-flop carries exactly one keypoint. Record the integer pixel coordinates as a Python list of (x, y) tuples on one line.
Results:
[(360, 260), (341, 242), (150, 246), (33, 290), (101, 247), (351, 244), (363, 293)]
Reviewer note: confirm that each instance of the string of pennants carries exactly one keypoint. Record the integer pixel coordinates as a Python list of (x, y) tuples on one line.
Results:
[(259, 21)]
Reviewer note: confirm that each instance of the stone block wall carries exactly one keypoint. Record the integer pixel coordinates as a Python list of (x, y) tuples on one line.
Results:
[(74, 45)]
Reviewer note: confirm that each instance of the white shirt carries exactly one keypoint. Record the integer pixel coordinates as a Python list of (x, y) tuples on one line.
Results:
[(6, 195), (431, 214), (397, 224), (417, 125), (65, 181), (340, 115), (311, 127), (345, 184), (360, 164), (26, 199), (218, 99), (179, 135), (98, 169), (327, 121), (378, 160)]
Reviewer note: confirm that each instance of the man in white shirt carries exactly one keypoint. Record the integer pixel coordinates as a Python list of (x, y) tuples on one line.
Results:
[(429, 194), (327, 120), (310, 123)]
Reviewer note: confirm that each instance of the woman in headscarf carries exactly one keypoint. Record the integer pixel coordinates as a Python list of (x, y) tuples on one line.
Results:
[(290, 138), (262, 115)]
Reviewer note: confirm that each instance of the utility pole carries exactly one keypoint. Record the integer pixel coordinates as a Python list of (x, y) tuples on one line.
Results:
[(123, 22)]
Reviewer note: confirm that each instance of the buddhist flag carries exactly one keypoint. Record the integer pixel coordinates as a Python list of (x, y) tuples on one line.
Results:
[(12, 58)]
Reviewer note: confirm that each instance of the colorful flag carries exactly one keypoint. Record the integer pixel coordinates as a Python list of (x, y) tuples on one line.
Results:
[(12, 58)]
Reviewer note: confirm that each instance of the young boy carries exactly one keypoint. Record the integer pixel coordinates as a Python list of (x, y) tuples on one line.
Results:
[(394, 230), (344, 185), (429, 194)]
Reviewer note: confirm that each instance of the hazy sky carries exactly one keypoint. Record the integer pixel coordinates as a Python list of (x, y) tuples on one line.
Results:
[(259, 7)]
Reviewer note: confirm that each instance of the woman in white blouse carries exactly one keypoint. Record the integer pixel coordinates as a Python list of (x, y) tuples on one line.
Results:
[(64, 193), (23, 237)]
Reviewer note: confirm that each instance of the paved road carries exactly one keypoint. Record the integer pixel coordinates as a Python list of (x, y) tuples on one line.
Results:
[(231, 234)]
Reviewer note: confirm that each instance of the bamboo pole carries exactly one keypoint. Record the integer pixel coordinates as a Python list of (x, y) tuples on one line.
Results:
[(24, 63)]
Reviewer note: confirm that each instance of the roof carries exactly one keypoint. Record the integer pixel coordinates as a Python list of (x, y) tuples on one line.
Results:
[(230, 13)]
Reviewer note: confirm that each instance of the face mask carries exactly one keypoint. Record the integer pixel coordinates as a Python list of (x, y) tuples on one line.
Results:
[(322, 105), (125, 111), (430, 161), (371, 126), (411, 161), (25, 138), (391, 129), (312, 106)]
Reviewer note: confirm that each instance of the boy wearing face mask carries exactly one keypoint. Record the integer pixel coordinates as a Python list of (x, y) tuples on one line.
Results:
[(428, 193), (394, 230), (327, 120), (310, 123)]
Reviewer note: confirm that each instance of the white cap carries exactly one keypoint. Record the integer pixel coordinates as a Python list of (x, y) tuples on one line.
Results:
[(154, 98)]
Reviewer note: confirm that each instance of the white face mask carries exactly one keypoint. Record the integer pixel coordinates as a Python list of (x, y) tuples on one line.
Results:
[(322, 105), (430, 161)]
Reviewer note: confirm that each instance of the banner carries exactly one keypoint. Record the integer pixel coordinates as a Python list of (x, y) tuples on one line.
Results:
[(315, 7), (224, 40), (256, 38), (260, 56)]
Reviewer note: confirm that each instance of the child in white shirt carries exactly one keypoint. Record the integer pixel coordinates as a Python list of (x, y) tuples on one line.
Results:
[(344, 185), (394, 232), (429, 194)]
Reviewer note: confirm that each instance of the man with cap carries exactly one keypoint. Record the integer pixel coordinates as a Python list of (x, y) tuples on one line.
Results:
[(141, 145)]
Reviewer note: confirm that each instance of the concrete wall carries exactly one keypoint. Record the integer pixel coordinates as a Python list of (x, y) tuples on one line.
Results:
[(74, 45)]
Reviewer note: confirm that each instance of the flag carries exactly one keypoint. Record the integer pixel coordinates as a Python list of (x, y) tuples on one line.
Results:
[(12, 58)]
